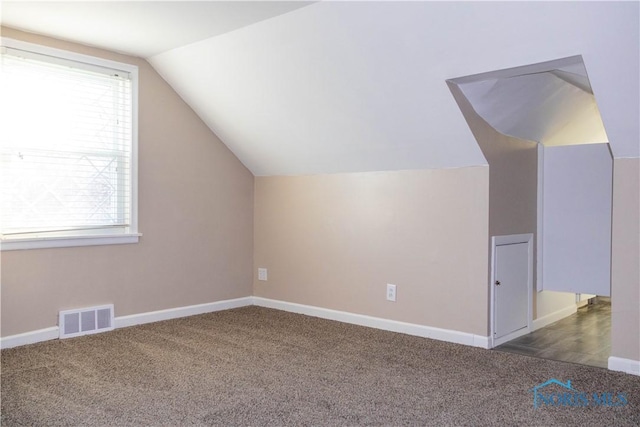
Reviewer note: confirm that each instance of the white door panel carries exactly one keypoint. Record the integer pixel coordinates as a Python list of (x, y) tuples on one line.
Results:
[(511, 288), (576, 228)]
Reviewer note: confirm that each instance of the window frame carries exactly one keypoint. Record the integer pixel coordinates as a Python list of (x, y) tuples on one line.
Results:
[(96, 236)]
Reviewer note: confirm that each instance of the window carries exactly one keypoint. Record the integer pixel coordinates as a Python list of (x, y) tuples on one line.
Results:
[(68, 149)]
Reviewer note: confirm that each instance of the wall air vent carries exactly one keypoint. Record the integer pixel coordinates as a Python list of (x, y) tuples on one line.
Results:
[(85, 321)]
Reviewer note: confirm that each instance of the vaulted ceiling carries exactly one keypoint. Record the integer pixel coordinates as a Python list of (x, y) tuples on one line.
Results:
[(550, 103), (139, 28), (332, 86)]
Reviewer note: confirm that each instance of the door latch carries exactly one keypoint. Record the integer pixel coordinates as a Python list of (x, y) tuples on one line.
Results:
[(497, 282)]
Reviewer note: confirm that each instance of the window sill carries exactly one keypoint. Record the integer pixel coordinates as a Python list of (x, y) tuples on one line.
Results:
[(67, 241)]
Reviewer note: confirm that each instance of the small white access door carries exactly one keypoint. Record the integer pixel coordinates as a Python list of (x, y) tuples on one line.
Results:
[(511, 287)]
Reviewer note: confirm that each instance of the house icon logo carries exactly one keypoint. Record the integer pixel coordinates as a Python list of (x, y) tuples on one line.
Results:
[(563, 394), (538, 395)]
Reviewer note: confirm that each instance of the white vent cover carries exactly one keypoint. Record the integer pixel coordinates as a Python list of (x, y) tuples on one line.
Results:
[(85, 321)]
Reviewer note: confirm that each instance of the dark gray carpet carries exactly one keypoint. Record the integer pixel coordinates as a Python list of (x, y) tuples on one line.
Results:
[(256, 366)]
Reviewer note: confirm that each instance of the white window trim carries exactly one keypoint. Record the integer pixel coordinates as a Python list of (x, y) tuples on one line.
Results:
[(71, 239), (67, 241)]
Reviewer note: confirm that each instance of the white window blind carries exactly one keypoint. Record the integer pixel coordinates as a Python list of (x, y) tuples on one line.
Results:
[(66, 147)]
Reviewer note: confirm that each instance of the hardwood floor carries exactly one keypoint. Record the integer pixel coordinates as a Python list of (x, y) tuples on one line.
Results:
[(584, 337)]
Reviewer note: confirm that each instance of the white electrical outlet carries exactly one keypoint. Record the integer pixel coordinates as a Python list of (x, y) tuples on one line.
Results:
[(262, 274), (391, 292)]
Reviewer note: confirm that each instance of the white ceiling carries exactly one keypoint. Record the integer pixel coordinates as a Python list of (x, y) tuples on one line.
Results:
[(551, 103), (539, 107), (139, 28), (358, 86)]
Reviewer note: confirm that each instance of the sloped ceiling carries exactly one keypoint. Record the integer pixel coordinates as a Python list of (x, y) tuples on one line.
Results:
[(361, 86), (139, 28), (554, 107)]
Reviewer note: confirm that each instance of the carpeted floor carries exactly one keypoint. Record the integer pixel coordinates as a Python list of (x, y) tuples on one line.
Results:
[(256, 366)]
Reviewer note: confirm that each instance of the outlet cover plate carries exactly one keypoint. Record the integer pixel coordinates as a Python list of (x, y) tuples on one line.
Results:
[(391, 292), (262, 274)]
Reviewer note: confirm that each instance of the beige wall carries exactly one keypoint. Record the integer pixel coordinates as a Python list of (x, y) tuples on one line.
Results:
[(547, 303), (625, 274), (195, 213), (335, 241), (513, 177)]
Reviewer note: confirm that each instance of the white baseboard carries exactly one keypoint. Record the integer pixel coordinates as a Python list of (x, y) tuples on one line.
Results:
[(510, 336), (377, 323), (130, 320), (174, 313), (628, 366), (615, 363), (32, 337), (553, 317)]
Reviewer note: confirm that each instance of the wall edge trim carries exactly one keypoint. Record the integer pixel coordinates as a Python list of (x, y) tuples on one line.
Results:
[(628, 366), (52, 333), (439, 334), (553, 317), (178, 312), (31, 337)]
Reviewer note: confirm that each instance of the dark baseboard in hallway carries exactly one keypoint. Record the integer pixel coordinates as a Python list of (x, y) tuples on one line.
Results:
[(583, 337)]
